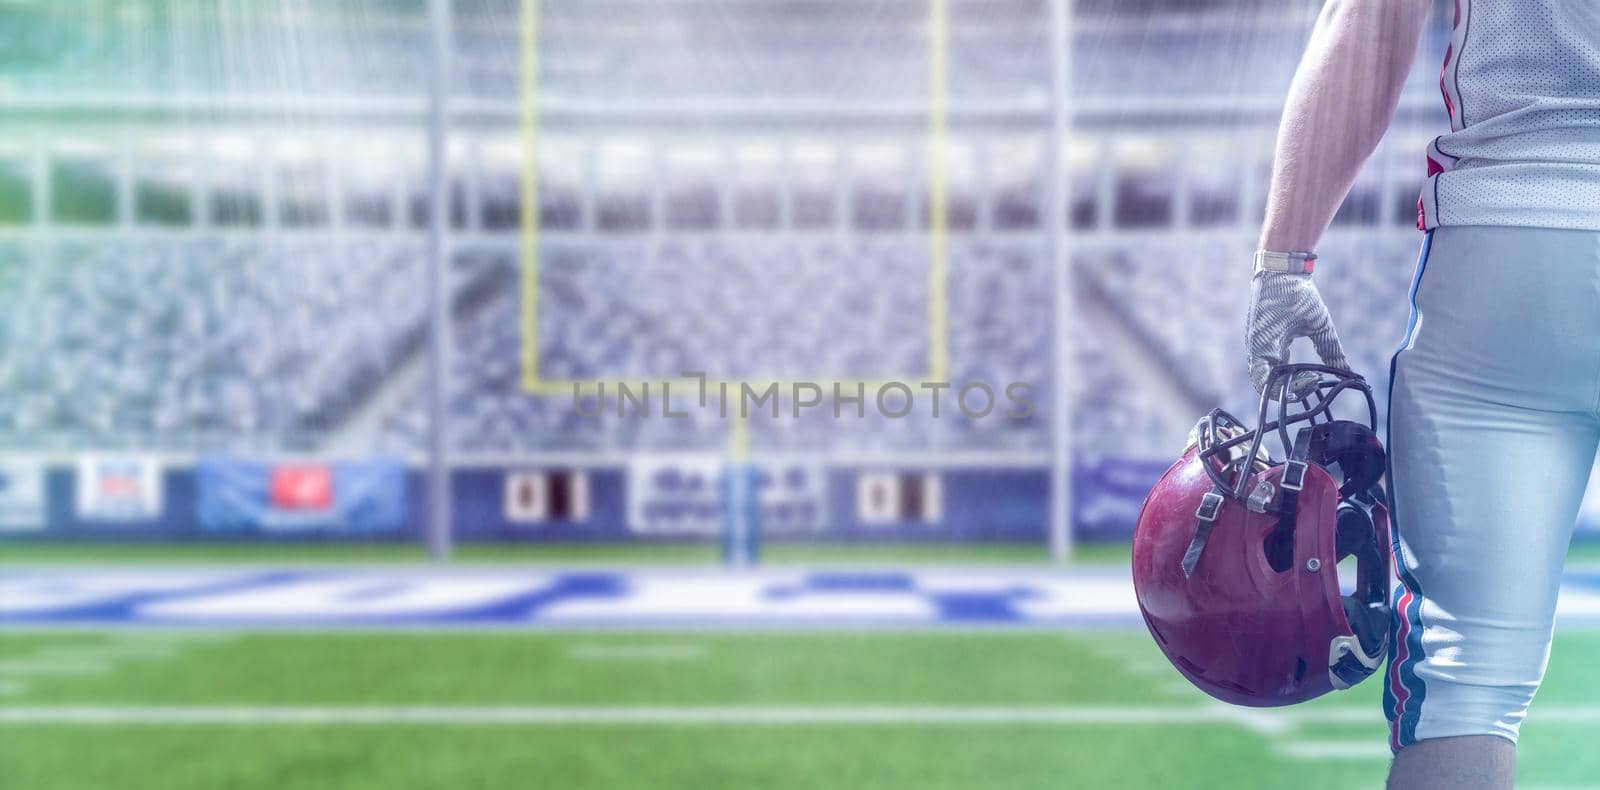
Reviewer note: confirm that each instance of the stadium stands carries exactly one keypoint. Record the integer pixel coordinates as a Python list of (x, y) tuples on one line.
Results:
[(273, 344), (613, 312), (212, 334), (191, 345)]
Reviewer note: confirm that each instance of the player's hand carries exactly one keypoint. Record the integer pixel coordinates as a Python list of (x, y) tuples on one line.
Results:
[(1285, 306)]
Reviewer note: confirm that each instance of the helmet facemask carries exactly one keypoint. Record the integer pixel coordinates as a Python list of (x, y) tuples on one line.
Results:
[(1255, 506)]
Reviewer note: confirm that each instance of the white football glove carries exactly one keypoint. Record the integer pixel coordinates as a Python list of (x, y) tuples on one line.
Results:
[(1285, 306)]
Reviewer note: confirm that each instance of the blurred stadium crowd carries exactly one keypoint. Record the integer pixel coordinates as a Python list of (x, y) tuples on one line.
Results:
[(212, 246)]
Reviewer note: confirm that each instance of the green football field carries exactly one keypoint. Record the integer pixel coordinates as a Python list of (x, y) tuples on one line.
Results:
[(680, 709)]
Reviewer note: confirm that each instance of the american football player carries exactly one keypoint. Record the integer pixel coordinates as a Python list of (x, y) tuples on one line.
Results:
[(1494, 405)]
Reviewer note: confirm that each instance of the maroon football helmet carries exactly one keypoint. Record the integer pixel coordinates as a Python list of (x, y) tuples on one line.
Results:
[(1235, 556)]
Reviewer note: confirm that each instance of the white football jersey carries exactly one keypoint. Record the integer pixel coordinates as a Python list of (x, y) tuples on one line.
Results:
[(1521, 80)]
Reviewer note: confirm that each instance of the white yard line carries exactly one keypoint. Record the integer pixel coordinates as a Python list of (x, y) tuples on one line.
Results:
[(46, 666), (1278, 723), (175, 636), (1319, 750), (95, 658), (1256, 720), (982, 716), (105, 652), (1134, 657), (1145, 666), (1565, 714), (599, 651), (86, 659)]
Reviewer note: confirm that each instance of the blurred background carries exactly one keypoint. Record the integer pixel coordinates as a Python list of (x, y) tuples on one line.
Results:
[(314, 469)]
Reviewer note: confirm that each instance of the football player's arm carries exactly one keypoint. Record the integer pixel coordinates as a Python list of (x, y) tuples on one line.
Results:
[(1341, 101)]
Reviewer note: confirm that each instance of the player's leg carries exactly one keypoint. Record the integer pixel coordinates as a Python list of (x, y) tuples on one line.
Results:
[(1492, 433), (1470, 761)]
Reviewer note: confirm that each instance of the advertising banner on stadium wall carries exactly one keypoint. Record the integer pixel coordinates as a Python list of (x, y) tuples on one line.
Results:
[(22, 496), (687, 495), (1109, 492), (793, 497), (351, 497), (118, 488), (675, 495)]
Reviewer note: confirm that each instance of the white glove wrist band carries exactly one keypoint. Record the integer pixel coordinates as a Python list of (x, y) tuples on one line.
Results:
[(1286, 262)]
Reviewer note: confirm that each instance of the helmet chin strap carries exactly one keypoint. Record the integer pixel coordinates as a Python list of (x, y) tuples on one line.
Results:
[(1372, 568), (1293, 479), (1349, 663), (1205, 517), (1352, 658)]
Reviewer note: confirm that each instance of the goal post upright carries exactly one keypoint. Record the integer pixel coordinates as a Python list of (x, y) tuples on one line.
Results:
[(1057, 191), (741, 518)]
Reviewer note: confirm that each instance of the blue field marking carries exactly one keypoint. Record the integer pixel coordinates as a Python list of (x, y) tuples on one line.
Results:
[(893, 583), (555, 599), (860, 582), (983, 606), (552, 599), (123, 605), (998, 606), (566, 587)]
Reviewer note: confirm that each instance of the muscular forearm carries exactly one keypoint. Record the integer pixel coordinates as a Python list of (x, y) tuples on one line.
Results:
[(1342, 99)]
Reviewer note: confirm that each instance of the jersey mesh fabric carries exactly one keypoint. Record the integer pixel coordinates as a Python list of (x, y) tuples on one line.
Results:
[(1521, 81)]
